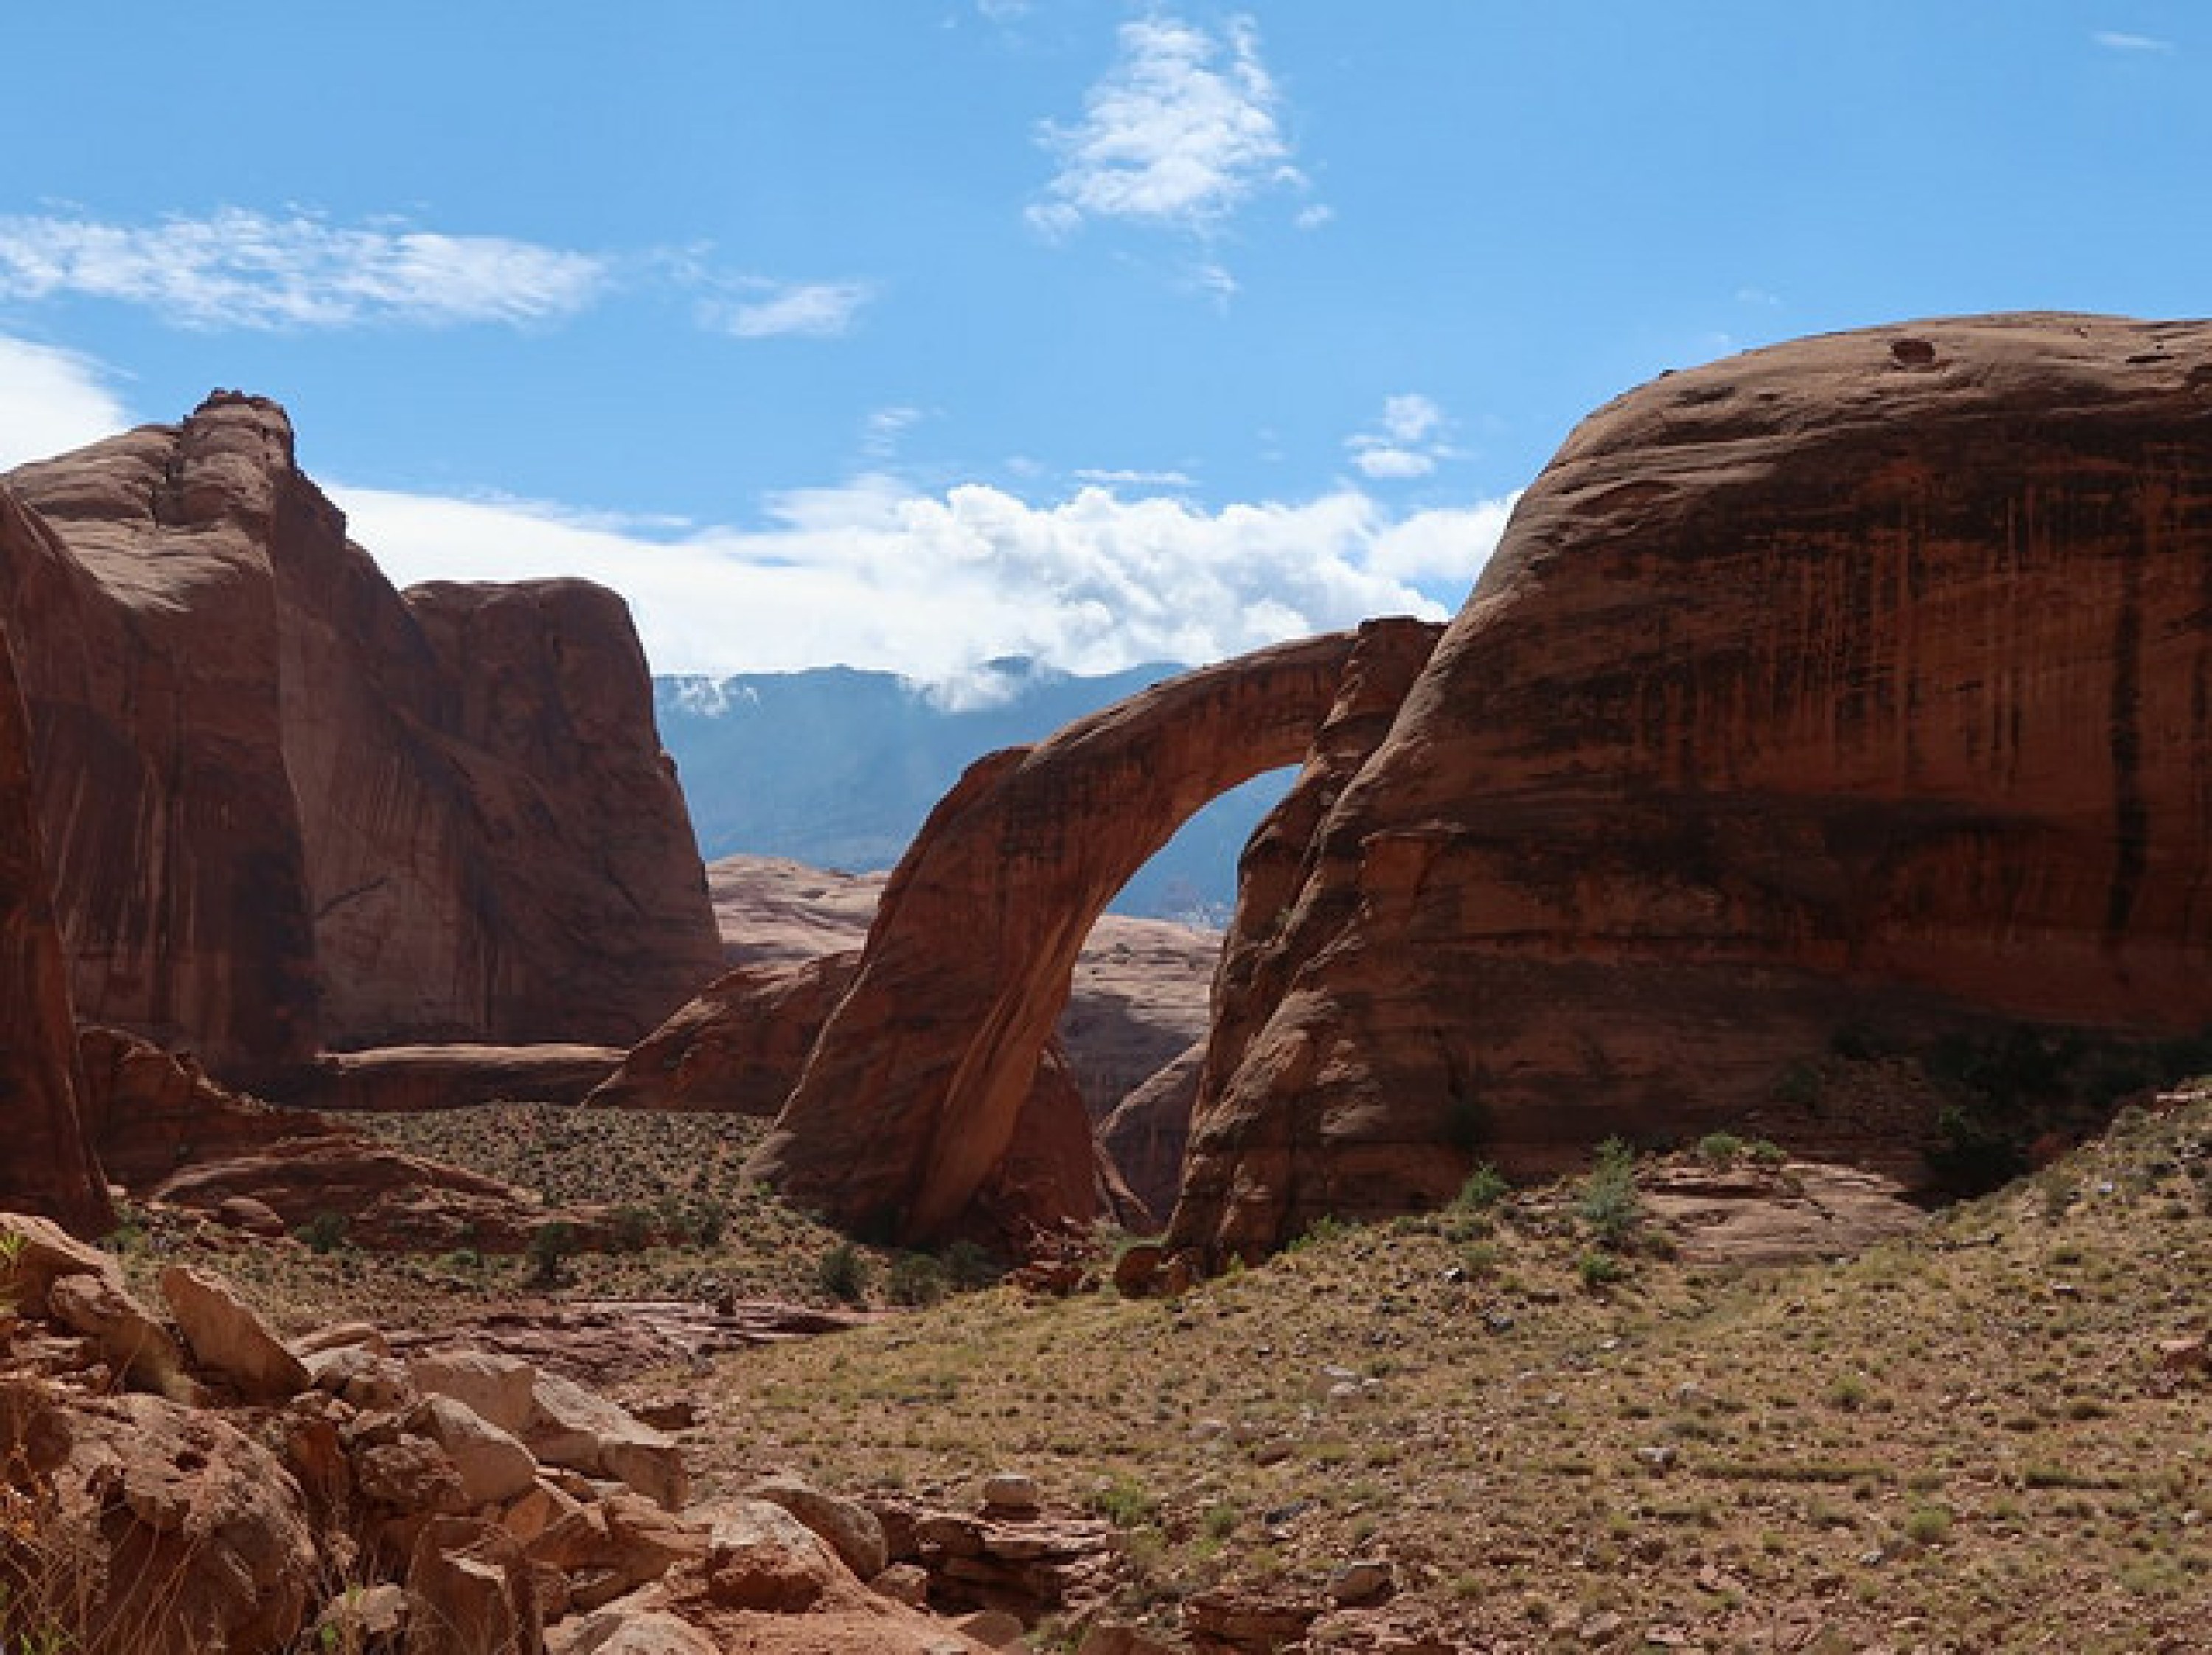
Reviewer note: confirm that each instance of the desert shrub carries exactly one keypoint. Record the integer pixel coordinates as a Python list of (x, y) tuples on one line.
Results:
[(1326, 1228), (551, 1246), (1765, 1152), (709, 1222), (842, 1273), (917, 1279), (1927, 1525), (1123, 1504), (1485, 1188), (1720, 1149), (631, 1227), (1609, 1204), (325, 1232), (1600, 1270), (968, 1266)]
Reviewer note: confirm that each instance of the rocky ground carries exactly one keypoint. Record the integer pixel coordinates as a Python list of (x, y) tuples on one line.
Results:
[(1550, 1418)]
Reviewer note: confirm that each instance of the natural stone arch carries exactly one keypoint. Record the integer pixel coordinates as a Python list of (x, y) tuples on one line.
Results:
[(913, 1095)]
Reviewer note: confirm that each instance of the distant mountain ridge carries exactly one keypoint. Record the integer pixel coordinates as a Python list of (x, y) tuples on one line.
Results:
[(837, 768)]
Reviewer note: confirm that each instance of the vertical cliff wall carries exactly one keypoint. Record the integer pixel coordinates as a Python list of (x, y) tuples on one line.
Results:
[(1864, 679)]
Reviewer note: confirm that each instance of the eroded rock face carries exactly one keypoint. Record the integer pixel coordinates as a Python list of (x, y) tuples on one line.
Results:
[(913, 1091), (48, 1167), (290, 807), (1860, 680)]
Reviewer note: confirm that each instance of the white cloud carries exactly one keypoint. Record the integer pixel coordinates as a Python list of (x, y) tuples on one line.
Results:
[(2113, 40), (51, 401), (817, 310), (239, 269), (872, 574), (1408, 443), (1181, 131), (1313, 217)]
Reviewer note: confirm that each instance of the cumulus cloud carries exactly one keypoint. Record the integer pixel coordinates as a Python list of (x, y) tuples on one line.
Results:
[(239, 269), (1407, 442), (51, 401), (871, 573), (1181, 132), (817, 310)]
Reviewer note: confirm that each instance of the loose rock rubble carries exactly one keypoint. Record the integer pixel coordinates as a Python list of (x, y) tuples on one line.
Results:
[(192, 1482)]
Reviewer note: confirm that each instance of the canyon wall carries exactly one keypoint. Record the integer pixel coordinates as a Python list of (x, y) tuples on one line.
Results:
[(1865, 681)]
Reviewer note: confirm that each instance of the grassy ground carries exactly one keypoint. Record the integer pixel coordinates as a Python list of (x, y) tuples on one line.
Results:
[(1963, 1441)]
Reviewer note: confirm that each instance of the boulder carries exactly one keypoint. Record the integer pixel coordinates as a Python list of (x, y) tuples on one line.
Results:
[(228, 1340), (128, 1337), (1851, 682), (759, 1556), (584, 1431), (180, 1532), (853, 1531), (493, 1467), (469, 1592)]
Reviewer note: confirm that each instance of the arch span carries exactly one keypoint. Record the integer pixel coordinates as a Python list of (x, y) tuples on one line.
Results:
[(906, 1115)]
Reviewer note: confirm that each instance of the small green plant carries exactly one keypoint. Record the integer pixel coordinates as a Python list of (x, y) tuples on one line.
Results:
[(551, 1247), (1765, 1152), (968, 1267), (323, 1232), (1928, 1525), (1849, 1391), (1720, 1149), (1324, 1229), (1609, 1205), (1600, 1270), (631, 1227), (1124, 1504), (842, 1273), (1485, 1188), (917, 1279)]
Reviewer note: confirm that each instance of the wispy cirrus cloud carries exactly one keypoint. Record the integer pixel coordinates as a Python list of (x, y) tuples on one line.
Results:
[(1406, 444), (1182, 131), (770, 310), (241, 268), (52, 401), (873, 572), (2117, 41)]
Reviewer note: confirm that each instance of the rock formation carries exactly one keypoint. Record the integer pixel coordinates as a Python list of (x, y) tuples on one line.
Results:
[(1859, 681), (912, 1093), (288, 808), (242, 1494), (48, 1166)]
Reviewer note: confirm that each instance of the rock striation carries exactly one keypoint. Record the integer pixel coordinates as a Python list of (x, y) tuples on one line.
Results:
[(913, 1094), (1865, 680), (289, 807), (48, 1167)]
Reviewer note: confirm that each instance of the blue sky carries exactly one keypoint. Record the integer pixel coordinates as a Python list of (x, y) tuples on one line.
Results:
[(909, 333)]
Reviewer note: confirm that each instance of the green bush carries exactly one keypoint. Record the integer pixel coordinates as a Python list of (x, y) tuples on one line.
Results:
[(1600, 1270), (843, 1273), (1485, 1188), (1720, 1149), (549, 1248), (917, 1279), (1609, 1205), (325, 1232), (970, 1267)]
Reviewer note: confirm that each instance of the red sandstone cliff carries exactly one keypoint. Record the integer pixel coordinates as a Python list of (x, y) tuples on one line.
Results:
[(291, 808), (1864, 679), (46, 1166)]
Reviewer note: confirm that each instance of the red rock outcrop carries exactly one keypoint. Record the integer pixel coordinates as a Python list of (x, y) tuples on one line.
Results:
[(149, 1112), (48, 1167), (289, 807), (411, 1079), (739, 1046), (1860, 680), (914, 1092), (1145, 1135)]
